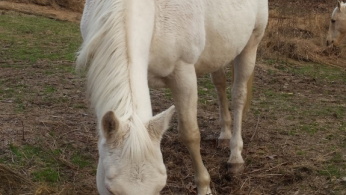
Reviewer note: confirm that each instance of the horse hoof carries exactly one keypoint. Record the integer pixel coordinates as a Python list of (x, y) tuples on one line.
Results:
[(235, 168), (223, 143)]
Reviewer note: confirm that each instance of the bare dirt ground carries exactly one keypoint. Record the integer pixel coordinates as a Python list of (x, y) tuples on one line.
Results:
[(281, 158), (288, 141)]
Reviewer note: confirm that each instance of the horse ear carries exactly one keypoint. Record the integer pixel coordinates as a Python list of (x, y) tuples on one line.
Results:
[(110, 125), (339, 4), (159, 124)]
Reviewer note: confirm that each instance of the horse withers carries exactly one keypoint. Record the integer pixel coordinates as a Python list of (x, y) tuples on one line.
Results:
[(131, 45)]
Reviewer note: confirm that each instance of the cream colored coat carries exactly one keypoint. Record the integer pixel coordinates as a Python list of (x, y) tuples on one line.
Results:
[(133, 44)]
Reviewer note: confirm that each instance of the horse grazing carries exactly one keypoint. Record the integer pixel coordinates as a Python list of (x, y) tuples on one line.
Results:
[(337, 26), (131, 45)]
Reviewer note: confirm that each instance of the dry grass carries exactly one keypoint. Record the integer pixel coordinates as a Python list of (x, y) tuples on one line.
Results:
[(74, 5), (12, 182), (297, 30)]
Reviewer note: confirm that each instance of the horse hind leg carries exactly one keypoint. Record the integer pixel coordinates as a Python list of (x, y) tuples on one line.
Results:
[(219, 80), (244, 65)]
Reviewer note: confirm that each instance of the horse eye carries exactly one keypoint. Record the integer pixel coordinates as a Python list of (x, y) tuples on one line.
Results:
[(332, 21)]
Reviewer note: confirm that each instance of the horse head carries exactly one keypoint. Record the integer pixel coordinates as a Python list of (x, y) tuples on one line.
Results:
[(337, 26), (130, 159)]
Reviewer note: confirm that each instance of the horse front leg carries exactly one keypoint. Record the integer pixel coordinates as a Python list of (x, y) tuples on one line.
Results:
[(244, 65), (184, 88), (219, 80)]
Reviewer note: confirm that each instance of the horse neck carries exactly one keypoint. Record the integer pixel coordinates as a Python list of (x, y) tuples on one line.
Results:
[(139, 30), (125, 92), (140, 90), (118, 63)]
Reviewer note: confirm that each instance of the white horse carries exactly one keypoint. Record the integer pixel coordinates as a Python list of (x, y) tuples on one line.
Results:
[(337, 26), (130, 45)]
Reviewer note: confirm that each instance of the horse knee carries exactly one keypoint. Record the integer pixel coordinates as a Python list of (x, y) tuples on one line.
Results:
[(190, 137), (238, 103)]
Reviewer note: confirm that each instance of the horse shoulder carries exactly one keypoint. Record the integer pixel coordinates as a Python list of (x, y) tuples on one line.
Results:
[(179, 35)]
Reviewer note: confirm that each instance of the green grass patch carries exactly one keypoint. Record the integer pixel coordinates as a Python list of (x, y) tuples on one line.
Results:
[(80, 160), (326, 111), (331, 171), (66, 68), (310, 128), (319, 71), (279, 101), (46, 175), (207, 92), (46, 163), (292, 132), (49, 89), (80, 106), (20, 107), (168, 93), (36, 38), (313, 70), (24, 155), (343, 126), (26, 151), (335, 167), (15, 151), (301, 153)]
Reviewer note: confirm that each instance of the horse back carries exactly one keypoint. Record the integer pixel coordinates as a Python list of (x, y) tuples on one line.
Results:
[(229, 26), (208, 33)]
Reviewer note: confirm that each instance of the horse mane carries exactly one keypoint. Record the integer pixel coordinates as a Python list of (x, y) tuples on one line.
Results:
[(104, 53)]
